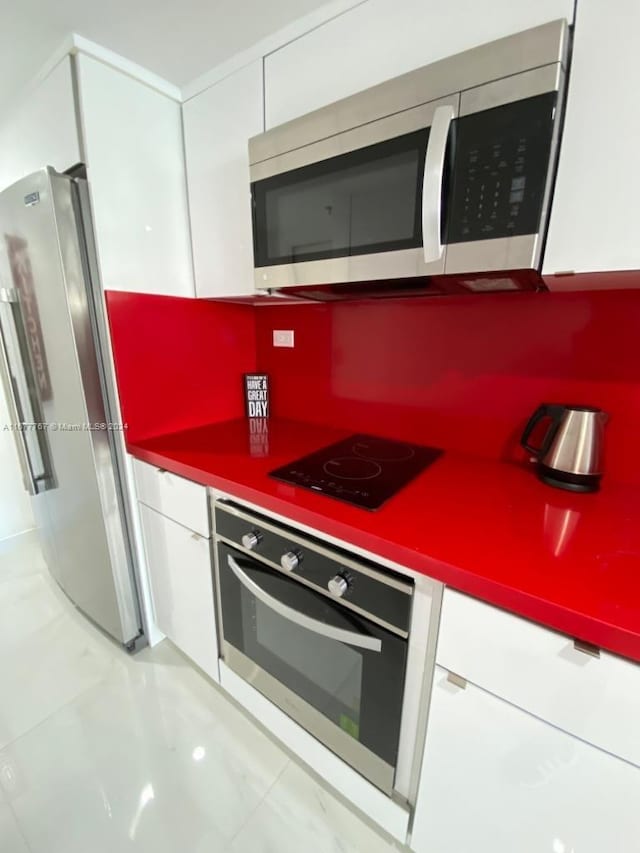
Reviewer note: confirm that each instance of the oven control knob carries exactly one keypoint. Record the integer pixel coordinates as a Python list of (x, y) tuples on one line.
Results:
[(290, 560), (338, 586), (251, 540)]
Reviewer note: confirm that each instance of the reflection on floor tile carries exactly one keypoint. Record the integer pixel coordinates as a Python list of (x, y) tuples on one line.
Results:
[(146, 759), (101, 752), (11, 840), (299, 815)]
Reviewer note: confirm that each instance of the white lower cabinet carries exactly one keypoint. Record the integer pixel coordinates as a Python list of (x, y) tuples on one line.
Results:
[(497, 780), (591, 694), (180, 575)]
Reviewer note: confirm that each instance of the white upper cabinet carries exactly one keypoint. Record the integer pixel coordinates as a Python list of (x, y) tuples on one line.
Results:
[(217, 126), (42, 130), (381, 39), (133, 149), (596, 208)]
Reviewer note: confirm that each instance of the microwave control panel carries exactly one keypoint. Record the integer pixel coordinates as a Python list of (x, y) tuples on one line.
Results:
[(501, 165)]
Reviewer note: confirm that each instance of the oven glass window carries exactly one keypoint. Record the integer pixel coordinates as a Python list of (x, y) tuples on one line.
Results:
[(325, 675), (365, 201), (265, 618)]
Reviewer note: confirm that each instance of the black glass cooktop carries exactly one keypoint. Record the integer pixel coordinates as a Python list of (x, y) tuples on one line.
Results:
[(362, 470)]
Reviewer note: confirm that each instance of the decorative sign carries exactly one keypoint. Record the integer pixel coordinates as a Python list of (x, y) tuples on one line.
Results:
[(22, 275), (256, 394)]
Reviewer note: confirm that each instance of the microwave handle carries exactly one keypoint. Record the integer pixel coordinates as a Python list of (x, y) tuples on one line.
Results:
[(351, 637), (432, 182)]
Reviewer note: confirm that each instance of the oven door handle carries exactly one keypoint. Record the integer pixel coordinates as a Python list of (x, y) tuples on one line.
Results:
[(432, 182), (352, 638)]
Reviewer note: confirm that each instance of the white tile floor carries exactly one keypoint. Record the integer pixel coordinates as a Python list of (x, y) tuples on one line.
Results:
[(102, 753)]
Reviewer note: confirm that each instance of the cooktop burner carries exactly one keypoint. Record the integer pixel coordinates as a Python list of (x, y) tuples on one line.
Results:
[(362, 470)]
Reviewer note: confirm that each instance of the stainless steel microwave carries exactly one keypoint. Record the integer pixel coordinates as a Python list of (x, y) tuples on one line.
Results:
[(445, 170)]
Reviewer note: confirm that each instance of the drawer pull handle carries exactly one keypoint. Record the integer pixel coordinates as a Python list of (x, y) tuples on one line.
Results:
[(197, 537), (458, 680), (586, 648)]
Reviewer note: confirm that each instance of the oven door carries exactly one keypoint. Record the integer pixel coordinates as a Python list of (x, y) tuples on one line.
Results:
[(336, 673), (360, 205)]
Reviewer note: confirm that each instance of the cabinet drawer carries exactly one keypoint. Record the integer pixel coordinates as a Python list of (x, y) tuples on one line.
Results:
[(595, 698), (173, 496), (495, 778), (180, 576)]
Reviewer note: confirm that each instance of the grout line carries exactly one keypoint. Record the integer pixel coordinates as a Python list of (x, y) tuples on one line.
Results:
[(19, 826), (79, 695), (258, 804), (70, 615)]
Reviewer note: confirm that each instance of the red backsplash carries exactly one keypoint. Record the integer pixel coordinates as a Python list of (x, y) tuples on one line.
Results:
[(458, 372), (461, 372), (179, 361)]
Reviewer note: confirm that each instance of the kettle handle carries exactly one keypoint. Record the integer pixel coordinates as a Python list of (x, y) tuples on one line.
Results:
[(546, 410)]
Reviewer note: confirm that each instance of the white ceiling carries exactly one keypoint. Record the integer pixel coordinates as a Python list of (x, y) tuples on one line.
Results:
[(177, 39)]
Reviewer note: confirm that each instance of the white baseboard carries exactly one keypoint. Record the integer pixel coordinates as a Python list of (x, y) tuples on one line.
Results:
[(27, 531)]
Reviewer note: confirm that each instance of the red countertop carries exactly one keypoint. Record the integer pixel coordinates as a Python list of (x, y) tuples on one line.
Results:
[(490, 529)]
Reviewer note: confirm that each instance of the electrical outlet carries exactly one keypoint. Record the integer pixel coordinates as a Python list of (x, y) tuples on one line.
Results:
[(283, 338)]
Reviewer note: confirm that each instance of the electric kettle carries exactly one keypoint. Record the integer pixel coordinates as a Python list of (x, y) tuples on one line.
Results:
[(570, 453)]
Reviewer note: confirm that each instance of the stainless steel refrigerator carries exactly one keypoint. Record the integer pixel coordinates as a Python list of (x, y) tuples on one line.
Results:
[(54, 364)]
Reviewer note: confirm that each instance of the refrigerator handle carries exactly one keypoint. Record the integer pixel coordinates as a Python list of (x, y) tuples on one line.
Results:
[(14, 415), (36, 441)]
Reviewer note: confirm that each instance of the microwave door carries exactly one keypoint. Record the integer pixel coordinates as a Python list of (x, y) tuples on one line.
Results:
[(363, 205), (506, 141)]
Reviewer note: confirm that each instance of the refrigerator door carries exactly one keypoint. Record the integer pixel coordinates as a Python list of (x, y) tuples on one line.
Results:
[(25, 412), (47, 268)]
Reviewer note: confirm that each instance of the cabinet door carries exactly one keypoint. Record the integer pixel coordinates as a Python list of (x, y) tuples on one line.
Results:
[(381, 39), (42, 129), (177, 498), (495, 778), (180, 575), (543, 672), (217, 126), (594, 218), (135, 162)]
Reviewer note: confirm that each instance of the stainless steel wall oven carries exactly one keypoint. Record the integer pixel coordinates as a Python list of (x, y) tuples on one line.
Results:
[(322, 634)]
